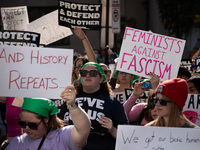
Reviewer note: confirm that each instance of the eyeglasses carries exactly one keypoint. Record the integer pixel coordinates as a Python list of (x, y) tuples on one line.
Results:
[(92, 73), (33, 126), (161, 101), (79, 66), (151, 105), (106, 71)]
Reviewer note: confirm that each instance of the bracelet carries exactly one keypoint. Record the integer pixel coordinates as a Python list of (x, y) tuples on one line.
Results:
[(83, 38), (71, 107)]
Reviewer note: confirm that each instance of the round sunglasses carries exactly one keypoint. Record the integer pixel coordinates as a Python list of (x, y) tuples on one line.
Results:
[(161, 101), (33, 126), (92, 73)]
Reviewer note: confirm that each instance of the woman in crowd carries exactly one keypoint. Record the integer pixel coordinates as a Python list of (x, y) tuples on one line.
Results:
[(125, 81), (106, 70), (94, 97), (142, 113), (194, 85), (171, 96), (44, 130)]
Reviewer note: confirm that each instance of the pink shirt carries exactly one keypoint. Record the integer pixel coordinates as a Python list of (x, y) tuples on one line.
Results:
[(12, 116), (133, 111)]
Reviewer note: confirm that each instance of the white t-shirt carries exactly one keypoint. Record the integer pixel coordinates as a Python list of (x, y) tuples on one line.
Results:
[(59, 139)]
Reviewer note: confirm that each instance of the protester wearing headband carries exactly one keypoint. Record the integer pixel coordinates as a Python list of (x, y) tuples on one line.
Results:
[(194, 85), (44, 130), (94, 97), (171, 96), (125, 81)]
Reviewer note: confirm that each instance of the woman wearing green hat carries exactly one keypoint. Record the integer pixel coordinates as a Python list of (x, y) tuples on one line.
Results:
[(125, 82), (94, 97), (44, 130)]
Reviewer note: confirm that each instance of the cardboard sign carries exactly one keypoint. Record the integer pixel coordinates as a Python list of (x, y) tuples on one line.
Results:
[(131, 137), (14, 18), (49, 29), (19, 38), (143, 52), (192, 108), (116, 16), (85, 16), (34, 71)]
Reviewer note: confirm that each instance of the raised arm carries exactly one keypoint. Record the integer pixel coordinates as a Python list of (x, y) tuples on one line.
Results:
[(88, 48), (80, 119)]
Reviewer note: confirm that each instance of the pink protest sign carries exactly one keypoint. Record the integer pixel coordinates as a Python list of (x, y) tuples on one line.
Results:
[(143, 52), (34, 71)]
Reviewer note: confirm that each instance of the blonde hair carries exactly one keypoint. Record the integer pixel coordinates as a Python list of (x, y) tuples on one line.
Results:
[(175, 116)]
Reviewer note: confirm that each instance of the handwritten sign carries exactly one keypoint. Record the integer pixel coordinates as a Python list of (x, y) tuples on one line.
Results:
[(19, 38), (86, 16), (14, 18), (157, 138), (34, 71), (143, 52), (49, 29), (192, 108)]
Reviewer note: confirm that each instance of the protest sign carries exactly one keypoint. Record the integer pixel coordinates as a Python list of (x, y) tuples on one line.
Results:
[(14, 18), (85, 16), (187, 63), (192, 108), (19, 38), (34, 71), (197, 64), (128, 93), (143, 52), (48, 28), (156, 138), (120, 96)]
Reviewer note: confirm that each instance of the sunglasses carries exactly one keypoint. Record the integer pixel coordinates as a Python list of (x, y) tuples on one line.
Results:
[(79, 66), (92, 73), (151, 105), (106, 71), (33, 126), (161, 101)]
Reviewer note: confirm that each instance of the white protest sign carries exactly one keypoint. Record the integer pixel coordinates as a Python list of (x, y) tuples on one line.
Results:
[(14, 18), (120, 96), (192, 108), (143, 52), (131, 137), (34, 71), (48, 28)]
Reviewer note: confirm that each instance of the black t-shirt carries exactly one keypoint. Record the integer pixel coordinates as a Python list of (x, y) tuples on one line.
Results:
[(95, 105)]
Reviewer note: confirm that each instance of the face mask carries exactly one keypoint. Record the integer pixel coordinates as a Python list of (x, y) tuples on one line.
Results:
[(96, 55)]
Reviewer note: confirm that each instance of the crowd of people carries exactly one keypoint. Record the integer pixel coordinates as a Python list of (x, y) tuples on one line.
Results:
[(91, 113)]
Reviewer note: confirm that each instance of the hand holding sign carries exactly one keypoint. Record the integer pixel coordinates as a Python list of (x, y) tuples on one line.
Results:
[(69, 94)]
